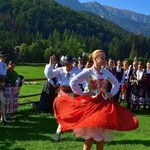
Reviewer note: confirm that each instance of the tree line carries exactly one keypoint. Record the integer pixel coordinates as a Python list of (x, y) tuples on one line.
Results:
[(43, 27)]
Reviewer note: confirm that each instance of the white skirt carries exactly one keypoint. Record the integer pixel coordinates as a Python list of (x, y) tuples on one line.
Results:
[(97, 133)]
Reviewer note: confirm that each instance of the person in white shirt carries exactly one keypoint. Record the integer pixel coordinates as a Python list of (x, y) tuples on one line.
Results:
[(138, 88), (63, 75), (3, 71), (140, 71)]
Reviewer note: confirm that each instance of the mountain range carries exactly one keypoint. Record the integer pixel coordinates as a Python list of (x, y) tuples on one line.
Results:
[(131, 21)]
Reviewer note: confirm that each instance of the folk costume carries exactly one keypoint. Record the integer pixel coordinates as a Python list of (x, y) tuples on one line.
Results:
[(120, 75), (93, 116), (11, 90), (147, 84), (48, 95), (63, 78)]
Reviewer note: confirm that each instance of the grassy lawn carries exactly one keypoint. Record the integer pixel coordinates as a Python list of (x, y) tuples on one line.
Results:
[(31, 130), (34, 86), (36, 71)]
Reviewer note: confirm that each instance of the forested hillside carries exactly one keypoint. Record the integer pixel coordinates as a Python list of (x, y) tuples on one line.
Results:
[(43, 27)]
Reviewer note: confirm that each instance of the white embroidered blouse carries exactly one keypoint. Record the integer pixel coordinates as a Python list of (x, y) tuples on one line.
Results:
[(96, 82)]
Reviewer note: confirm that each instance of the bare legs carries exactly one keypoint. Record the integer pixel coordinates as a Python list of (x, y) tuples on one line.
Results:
[(88, 144), (100, 145), (57, 134)]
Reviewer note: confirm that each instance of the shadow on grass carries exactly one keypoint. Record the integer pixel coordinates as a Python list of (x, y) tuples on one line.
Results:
[(132, 142), (143, 112), (26, 126)]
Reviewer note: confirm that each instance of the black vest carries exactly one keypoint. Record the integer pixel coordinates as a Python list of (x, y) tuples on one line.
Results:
[(119, 75)]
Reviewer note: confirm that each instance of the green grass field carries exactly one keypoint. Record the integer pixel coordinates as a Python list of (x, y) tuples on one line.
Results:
[(31, 130), (31, 71), (34, 86)]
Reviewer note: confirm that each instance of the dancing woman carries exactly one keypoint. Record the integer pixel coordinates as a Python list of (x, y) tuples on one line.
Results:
[(93, 115), (63, 75)]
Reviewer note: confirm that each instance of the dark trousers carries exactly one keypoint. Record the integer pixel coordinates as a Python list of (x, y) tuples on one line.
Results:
[(47, 98)]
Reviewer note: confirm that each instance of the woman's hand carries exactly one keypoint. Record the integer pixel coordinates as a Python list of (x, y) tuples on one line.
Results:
[(52, 60), (106, 95), (109, 95)]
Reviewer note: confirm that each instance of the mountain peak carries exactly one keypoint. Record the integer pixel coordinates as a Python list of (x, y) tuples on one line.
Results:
[(124, 18), (73, 4)]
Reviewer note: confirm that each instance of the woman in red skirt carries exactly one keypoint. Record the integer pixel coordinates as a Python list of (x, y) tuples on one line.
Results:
[(92, 114)]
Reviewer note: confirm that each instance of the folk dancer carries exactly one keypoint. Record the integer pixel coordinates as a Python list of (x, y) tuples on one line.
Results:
[(93, 115), (63, 75)]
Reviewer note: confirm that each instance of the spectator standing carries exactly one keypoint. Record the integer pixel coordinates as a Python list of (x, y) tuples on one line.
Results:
[(81, 62), (12, 76), (12, 89), (126, 87), (147, 84), (111, 68), (89, 64), (120, 75), (3, 71)]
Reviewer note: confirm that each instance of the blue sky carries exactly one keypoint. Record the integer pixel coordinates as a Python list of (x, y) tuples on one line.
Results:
[(140, 6)]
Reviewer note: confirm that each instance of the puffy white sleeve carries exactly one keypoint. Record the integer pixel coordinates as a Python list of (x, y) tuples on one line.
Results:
[(115, 84), (75, 81), (50, 72)]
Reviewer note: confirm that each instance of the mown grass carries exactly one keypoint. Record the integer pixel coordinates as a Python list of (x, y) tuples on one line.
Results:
[(33, 87), (31, 130), (28, 71)]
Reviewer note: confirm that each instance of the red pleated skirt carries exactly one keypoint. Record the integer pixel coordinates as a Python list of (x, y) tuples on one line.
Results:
[(82, 112)]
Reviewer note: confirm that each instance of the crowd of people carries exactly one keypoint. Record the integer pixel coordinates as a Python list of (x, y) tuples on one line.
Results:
[(134, 82), (10, 84)]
